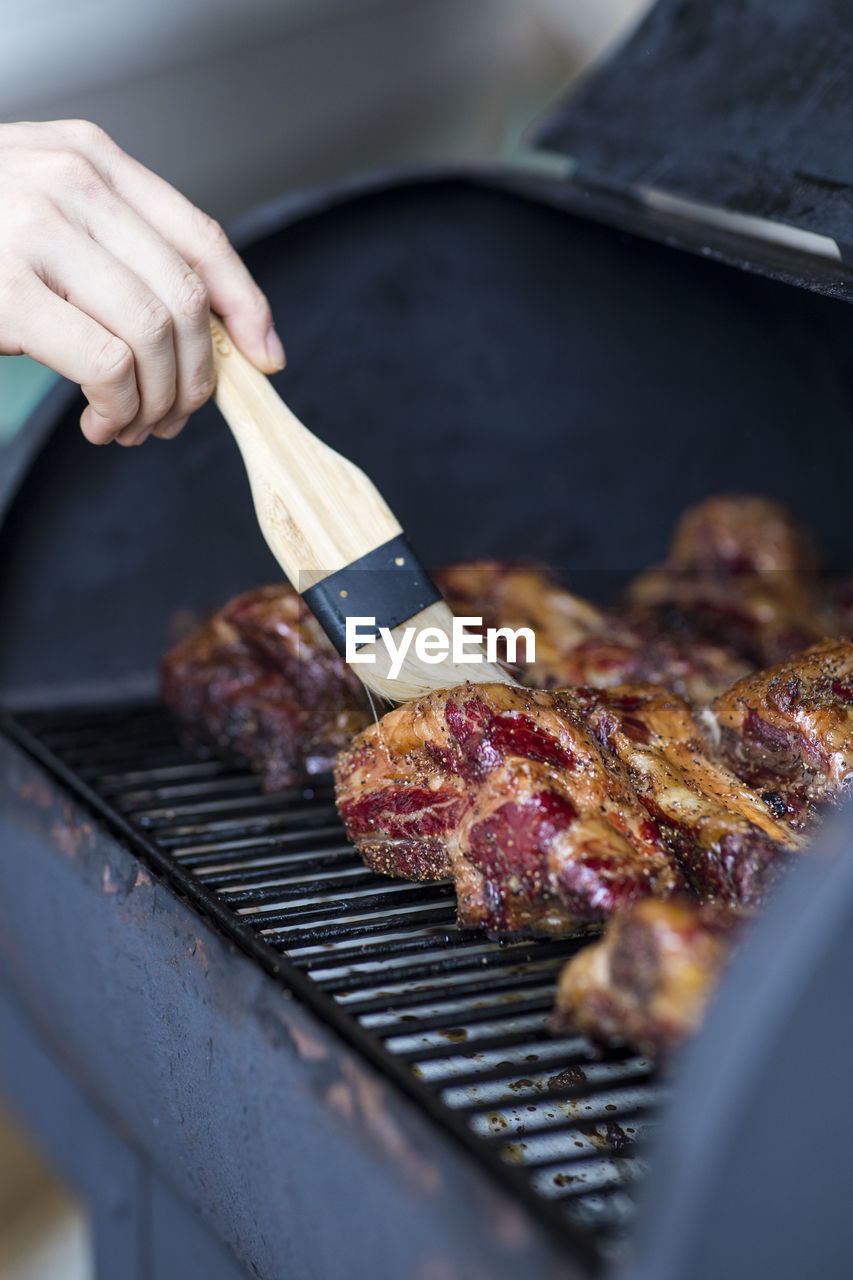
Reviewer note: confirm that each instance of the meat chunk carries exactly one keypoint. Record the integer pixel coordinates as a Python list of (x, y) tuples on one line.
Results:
[(734, 533), (647, 983), (740, 573), (788, 730), (729, 846), (572, 636), (578, 643), (504, 790), (261, 684), (628, 653), (522, 595)]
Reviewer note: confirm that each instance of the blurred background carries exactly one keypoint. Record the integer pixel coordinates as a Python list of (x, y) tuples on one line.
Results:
[(235, 104)]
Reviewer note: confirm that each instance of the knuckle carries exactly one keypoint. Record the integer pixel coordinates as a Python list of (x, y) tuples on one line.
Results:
[(212, 236), (158, 404), (75, 171), (193, 297), (261, 310), (84, 133), (113, 362), (200, 389), (33, 214), (155, 322), (216, 232), (15, 279)]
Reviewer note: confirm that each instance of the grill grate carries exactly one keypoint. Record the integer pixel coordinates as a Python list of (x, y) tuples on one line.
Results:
[(458, 1020)]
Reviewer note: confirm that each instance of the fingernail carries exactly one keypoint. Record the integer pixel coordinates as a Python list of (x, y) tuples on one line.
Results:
[(275, 350)]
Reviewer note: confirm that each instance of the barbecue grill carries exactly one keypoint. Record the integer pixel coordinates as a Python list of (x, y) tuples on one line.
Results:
[(253, 1055)]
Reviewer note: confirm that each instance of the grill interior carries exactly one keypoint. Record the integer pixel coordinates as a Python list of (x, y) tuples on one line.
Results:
[(457, 1020)]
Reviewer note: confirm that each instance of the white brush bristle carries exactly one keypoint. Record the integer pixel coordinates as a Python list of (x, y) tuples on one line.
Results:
[(415, 677)]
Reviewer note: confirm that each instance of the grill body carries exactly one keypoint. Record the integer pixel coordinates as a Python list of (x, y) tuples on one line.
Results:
[(457, 1022), (300, 1154), (207, 1013)]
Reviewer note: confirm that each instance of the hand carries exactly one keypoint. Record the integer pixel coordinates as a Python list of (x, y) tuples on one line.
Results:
[(107, 275)]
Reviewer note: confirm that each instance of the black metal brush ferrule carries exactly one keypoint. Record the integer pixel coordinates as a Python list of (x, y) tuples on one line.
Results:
[(388, 584)]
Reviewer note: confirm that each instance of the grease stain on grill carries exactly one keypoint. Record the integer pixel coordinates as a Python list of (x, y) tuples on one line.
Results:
[(568, 1076)]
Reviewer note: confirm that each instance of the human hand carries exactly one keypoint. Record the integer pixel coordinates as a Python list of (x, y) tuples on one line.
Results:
[(108, 274)]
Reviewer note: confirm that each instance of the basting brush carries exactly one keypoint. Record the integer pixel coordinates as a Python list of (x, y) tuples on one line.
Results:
[(339, 544)]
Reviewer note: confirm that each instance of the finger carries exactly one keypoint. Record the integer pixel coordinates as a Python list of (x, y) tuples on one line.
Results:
[(91, 279), (169, 429), (57, 334), (128, 238), (202, 243)]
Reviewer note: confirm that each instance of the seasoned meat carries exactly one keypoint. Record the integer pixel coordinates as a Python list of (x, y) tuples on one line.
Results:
[(728, 844), (623, 654), (261, 684), (505, 791), (577, 643), (549, 808), (740, 573), (788, 731), (648, 981), (522, 595)]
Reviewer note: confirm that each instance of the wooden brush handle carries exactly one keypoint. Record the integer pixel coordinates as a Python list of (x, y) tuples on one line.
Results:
[(317, 510)]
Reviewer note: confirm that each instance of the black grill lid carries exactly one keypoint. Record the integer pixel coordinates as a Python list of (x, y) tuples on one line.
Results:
[(746, 105)]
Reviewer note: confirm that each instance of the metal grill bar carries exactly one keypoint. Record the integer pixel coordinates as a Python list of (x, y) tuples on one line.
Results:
[(458, 1020)]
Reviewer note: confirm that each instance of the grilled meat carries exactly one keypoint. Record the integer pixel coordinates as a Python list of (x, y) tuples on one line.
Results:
[(520, 595), (740, 573), (788, 731), (728, 844), (560, 807), (505, 791), (548, 808), (261, 684), (626, 653), (577, 643), (735, 533), (648, 981)]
